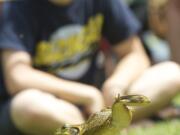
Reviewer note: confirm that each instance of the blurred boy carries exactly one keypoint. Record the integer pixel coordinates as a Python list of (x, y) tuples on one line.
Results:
[(49, 58)]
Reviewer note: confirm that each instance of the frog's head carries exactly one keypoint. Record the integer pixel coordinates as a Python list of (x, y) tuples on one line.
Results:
[(68, 130), (133, 100)]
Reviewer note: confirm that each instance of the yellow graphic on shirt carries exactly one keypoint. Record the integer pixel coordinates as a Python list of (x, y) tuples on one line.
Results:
[(69, 44)]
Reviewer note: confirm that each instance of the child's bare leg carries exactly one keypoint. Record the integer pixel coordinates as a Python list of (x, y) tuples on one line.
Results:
[(38, 113), (160, 83)]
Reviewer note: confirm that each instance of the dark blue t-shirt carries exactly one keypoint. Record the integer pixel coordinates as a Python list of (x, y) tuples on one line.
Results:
[(63, 40)]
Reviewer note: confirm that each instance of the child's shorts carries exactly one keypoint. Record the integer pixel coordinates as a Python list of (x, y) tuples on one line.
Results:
[(6, 125)]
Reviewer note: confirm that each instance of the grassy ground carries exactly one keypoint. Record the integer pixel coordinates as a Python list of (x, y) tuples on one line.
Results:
[(166, 127), (161, 128)]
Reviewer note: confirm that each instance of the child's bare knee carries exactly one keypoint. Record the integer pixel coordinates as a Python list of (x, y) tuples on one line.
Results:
[(31, 107), (24, 108)]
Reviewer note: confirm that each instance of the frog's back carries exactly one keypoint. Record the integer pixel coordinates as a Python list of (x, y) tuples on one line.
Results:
[(97, 121)]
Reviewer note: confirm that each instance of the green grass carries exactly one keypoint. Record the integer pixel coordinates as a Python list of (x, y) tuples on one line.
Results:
[(176, 101), (161, 128), (170, 127)]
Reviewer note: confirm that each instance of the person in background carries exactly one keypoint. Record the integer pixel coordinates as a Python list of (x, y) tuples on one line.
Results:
[(50, 53), (173, 20), (152, 15)]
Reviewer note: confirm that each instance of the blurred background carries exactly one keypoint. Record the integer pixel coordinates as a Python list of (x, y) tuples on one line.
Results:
[(160, 35)]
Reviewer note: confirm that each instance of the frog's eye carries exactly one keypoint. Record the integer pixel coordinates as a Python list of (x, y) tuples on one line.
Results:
[(66, 126), (74, 131)]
